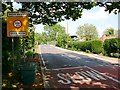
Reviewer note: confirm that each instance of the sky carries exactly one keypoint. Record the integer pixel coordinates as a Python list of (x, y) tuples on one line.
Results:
[(96, 16)]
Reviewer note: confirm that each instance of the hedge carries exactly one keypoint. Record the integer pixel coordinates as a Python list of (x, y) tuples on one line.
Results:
[(112, 46), (94, 46)]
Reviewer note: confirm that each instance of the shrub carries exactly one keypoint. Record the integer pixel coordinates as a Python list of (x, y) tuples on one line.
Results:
[(117, 55), (29, 54), (112, 46), (84, 46), (96, 46)]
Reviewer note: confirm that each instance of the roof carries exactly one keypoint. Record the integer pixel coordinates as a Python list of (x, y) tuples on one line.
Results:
[(103, 38)]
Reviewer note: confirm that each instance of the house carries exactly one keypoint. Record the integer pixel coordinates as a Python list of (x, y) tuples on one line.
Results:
[(103, 38), (75, 37)]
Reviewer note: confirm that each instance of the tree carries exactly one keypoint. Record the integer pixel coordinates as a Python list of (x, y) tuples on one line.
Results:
[(53, 12), (87, 32), (44, 38), (38, 38), (54, 31), (57, 34), (30, 41), (109, 32)]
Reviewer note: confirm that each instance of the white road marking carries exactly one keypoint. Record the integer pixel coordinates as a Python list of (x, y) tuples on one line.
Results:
[(113, 79), (83, 77), (42, 57), (61, 76), (63, 68), (93, 70), (72, 56), (66, 57), (104, 75)]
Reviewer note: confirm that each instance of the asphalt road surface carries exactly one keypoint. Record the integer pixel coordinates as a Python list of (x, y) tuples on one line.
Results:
[(65, 69)]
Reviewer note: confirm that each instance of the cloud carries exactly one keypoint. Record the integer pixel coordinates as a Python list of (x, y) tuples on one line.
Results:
[(95, 15)]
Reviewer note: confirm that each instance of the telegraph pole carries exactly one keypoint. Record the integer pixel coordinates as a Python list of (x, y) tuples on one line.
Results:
[(67, 36)]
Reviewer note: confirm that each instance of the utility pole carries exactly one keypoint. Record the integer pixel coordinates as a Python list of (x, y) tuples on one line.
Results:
[(67, 36)]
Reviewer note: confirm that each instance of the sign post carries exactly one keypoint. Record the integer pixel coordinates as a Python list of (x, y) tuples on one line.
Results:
[(13, 51), (17, 26)]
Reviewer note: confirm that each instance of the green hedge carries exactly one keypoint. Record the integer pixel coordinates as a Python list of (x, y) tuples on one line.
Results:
[(94, 46), (112, 47)]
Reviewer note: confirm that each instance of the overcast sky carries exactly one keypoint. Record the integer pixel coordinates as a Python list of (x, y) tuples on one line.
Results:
[(96, 16)]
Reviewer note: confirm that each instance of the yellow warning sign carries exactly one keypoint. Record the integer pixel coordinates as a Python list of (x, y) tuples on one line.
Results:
[(17, 24)]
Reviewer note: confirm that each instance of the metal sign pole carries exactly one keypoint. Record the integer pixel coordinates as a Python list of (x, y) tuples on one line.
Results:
[(13, 51), (23, 49)]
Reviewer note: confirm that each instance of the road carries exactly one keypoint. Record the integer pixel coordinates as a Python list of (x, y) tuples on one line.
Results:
[(71, 70)]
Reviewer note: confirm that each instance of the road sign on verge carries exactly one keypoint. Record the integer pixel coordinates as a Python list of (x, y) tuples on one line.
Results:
[(17, 24)]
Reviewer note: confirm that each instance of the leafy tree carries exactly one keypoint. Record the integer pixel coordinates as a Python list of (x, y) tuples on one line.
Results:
[(53, 12), (109, 32), (29, 41), (38, 38), (44, 38), (54, 31), (87, 32), (57, 34)]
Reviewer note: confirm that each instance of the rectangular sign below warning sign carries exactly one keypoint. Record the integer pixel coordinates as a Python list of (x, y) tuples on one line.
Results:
[(17, 34), (17, 24), (17, 14)]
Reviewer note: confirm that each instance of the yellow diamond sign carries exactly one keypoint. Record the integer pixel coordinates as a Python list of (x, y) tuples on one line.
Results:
[(17, 24)]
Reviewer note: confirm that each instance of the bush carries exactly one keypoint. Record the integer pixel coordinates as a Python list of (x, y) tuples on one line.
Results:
[(117, 55), (29, 54), (111, 46), (96, 46), (83, 46)]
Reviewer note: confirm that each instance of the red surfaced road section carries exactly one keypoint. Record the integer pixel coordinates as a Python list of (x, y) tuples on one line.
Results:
[(83, 77)]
